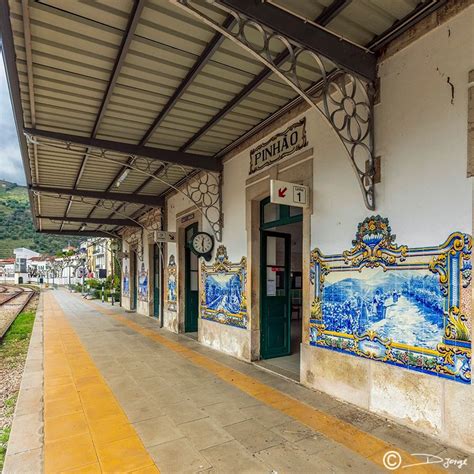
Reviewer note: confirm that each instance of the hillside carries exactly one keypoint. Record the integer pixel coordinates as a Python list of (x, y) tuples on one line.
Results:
[(16, 224)]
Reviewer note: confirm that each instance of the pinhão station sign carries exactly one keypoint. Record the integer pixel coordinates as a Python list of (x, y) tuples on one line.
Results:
[(279, 146)]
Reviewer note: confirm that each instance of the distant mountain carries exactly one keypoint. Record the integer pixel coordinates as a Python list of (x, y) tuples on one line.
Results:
[(16, 224)]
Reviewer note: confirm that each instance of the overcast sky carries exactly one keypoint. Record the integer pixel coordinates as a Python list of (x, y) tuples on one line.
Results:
[(11, 167)]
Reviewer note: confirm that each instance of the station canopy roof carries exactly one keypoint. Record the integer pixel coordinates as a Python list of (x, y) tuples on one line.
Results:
[(144, 78)]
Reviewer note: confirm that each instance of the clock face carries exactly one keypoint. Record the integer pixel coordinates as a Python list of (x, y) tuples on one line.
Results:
[(202, 243)]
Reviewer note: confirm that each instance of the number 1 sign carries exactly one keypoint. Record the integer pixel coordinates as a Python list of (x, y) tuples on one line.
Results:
[(290, 194)]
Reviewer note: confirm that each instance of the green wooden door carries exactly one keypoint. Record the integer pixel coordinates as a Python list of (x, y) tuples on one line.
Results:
[(156, 280), (275, 294), (191, 284)]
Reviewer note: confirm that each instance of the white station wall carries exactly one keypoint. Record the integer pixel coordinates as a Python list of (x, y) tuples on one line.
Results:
[(421, 136)]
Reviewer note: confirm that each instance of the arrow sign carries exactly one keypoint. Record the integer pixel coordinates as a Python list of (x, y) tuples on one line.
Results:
[(291, 194)]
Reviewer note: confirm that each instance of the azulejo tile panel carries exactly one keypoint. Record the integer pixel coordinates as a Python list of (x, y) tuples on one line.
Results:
[(409, 307), (143, 284), (125, 279), (172, 286), (223, 290)]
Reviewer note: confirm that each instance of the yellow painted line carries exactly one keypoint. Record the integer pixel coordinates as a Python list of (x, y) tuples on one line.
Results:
[(85, 429), (355, 439)]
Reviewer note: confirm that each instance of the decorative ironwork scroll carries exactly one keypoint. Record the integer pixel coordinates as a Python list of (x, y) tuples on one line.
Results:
[(205, 192), (405, 306), (223, 290), (344, 99)]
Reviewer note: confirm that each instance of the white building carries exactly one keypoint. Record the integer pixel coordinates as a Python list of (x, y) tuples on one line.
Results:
[(23, 258)]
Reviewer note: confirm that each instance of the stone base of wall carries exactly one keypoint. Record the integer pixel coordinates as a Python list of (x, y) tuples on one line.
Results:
[(228, 339), (432, 405)]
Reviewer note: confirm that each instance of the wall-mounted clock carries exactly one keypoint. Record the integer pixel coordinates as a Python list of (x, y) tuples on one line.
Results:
[(202, 245)]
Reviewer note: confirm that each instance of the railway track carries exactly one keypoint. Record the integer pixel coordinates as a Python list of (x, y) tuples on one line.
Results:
[(12, 302)]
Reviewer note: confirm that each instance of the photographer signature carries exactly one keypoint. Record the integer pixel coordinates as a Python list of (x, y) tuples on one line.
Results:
[(393, 460)]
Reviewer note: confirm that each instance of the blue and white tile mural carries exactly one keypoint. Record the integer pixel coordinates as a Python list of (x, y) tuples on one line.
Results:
[(172, 286), (126, 280), (407, 307), (223, 290), (143, 283)]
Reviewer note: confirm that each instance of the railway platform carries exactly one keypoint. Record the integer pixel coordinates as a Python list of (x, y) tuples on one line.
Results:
[(109, 391)]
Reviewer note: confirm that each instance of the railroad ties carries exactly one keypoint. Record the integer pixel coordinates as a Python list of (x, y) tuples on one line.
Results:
[(13, 300)]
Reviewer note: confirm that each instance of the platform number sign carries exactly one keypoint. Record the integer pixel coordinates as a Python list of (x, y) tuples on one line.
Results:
[(290, 194)]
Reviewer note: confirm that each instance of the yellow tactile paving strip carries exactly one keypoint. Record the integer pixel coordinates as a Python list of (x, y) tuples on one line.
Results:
[(85, 429), (360, 442)]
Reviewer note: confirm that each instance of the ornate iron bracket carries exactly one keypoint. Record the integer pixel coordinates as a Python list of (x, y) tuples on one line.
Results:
[(344, 99)]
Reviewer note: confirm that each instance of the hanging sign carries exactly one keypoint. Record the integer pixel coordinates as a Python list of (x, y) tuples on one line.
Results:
[(290, 194), (279, 146), (164, 236)]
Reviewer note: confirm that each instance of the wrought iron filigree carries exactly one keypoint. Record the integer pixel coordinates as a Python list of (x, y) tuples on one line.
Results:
[(205, 192), (344, 99)]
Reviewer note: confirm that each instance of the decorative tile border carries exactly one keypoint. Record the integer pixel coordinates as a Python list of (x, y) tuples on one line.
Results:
[(386, 302), (223, 290)]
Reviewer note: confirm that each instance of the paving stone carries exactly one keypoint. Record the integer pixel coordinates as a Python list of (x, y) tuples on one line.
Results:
[(345, 460), (406, 439), (178, 456), (30, 401), (267, 416), (285, 458), (168, 396), (233, 457), (25, 462), (184, 412), (204, 433), (292, 431), (314, 444), (139, 410), (253, 435), (157, 430), (226, 413), (27, 433)]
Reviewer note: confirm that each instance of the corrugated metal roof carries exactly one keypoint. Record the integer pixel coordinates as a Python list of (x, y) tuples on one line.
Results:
[(75, 46)]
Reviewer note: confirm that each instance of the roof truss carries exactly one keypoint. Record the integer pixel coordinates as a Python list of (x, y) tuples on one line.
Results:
[(81, 233), (192, 160), (151, 201), (343, 53), (93, 220)]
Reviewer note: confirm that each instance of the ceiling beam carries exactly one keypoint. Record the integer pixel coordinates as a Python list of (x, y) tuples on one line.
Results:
[(82, 233), (161, 154), (332, 10), (93, 220), (322, 19), (152, 201), (343, 53)]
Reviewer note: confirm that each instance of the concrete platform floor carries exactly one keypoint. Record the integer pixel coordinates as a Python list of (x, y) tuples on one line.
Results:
[(121, 395)]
